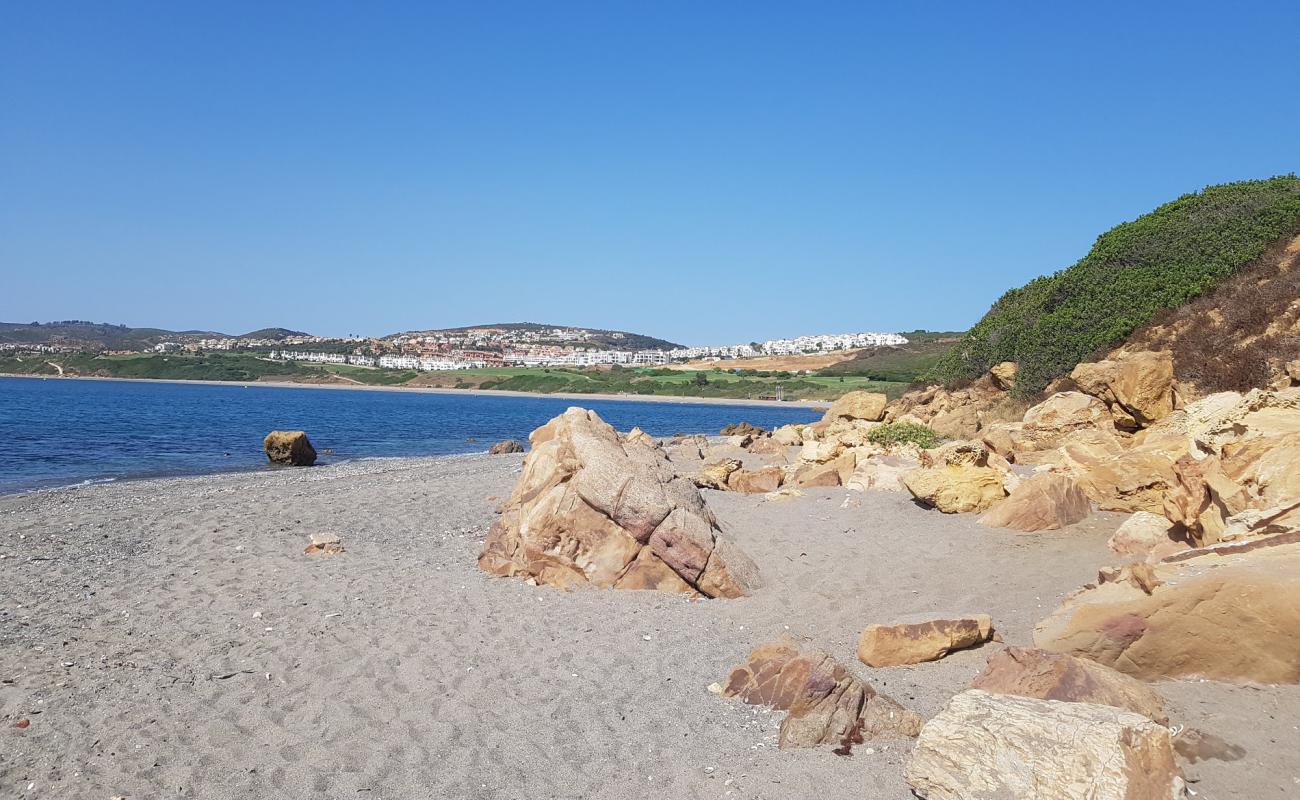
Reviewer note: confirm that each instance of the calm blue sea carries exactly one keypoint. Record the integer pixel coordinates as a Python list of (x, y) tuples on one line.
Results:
[(61, 432)]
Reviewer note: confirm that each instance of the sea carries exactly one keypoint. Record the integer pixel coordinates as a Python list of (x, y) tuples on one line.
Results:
[(61, 432)]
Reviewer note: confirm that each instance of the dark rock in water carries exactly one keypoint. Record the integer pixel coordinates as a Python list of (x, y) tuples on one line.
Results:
[(743, 429), (506, 446), (289, 447)]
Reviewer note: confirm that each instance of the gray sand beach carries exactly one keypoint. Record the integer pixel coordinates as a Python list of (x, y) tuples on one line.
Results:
[(170, 638)]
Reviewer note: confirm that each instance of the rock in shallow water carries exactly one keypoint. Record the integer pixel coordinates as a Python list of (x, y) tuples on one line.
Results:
[(289, 447)]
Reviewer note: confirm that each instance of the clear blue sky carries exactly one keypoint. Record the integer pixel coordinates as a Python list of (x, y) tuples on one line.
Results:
[(705, 172)]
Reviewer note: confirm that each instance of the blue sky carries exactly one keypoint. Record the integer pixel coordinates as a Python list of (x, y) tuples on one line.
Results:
[(705, 172)]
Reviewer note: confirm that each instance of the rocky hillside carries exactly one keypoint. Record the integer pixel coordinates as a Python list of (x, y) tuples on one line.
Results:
[(1159, 262)]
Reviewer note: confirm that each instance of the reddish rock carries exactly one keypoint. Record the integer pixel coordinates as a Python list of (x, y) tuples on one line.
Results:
[(1055, 676), (827, 704)]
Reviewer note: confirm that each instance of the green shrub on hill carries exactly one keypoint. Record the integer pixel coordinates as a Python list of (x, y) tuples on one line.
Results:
[(892, 433), (1135, 270)]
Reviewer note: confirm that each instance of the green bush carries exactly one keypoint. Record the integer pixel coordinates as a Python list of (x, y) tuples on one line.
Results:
[(892, 433), (1134, 271)]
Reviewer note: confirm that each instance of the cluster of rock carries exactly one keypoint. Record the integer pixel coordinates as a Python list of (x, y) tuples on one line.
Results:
[(593, 508), (1212, 540)]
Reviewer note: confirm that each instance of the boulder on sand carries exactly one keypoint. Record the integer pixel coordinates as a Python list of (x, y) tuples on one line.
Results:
[(957, 479), (505, 447), (1045, 501), (289, 447), (593, 509), (832, 473), (1228, 612), (715, 475), (755, 481), (1145, 534), (985, 746), (869, 406), (1027, 672), (827, 704), (923, 639)]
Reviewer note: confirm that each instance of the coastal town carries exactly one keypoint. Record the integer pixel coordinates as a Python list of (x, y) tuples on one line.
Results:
[(517, 345), (478, 348)]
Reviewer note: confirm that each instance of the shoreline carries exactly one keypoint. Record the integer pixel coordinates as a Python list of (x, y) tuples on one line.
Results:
[(625, 398)]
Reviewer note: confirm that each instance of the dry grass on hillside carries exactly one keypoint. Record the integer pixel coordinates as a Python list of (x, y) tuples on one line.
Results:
[(1240, 335)]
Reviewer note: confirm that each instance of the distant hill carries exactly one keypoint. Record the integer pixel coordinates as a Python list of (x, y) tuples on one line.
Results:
[(1135, 271), (274, 334), (620, 340), (106, 336), (91, 335)]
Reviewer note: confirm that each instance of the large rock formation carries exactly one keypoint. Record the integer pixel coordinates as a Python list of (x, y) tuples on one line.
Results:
[(986, 746), (1027, 672), (863, 405), (1137, 388), (1228, 612), (923, 639), (1256, 473), (593, 509), (957, 478), (289, 447), (1045, 501), (827, 704)]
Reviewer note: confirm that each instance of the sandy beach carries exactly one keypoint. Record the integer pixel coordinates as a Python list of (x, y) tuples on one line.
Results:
[(170, 638), (644, 398)]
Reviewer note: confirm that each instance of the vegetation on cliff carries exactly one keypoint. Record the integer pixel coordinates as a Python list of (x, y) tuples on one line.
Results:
[(1158, 261)]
